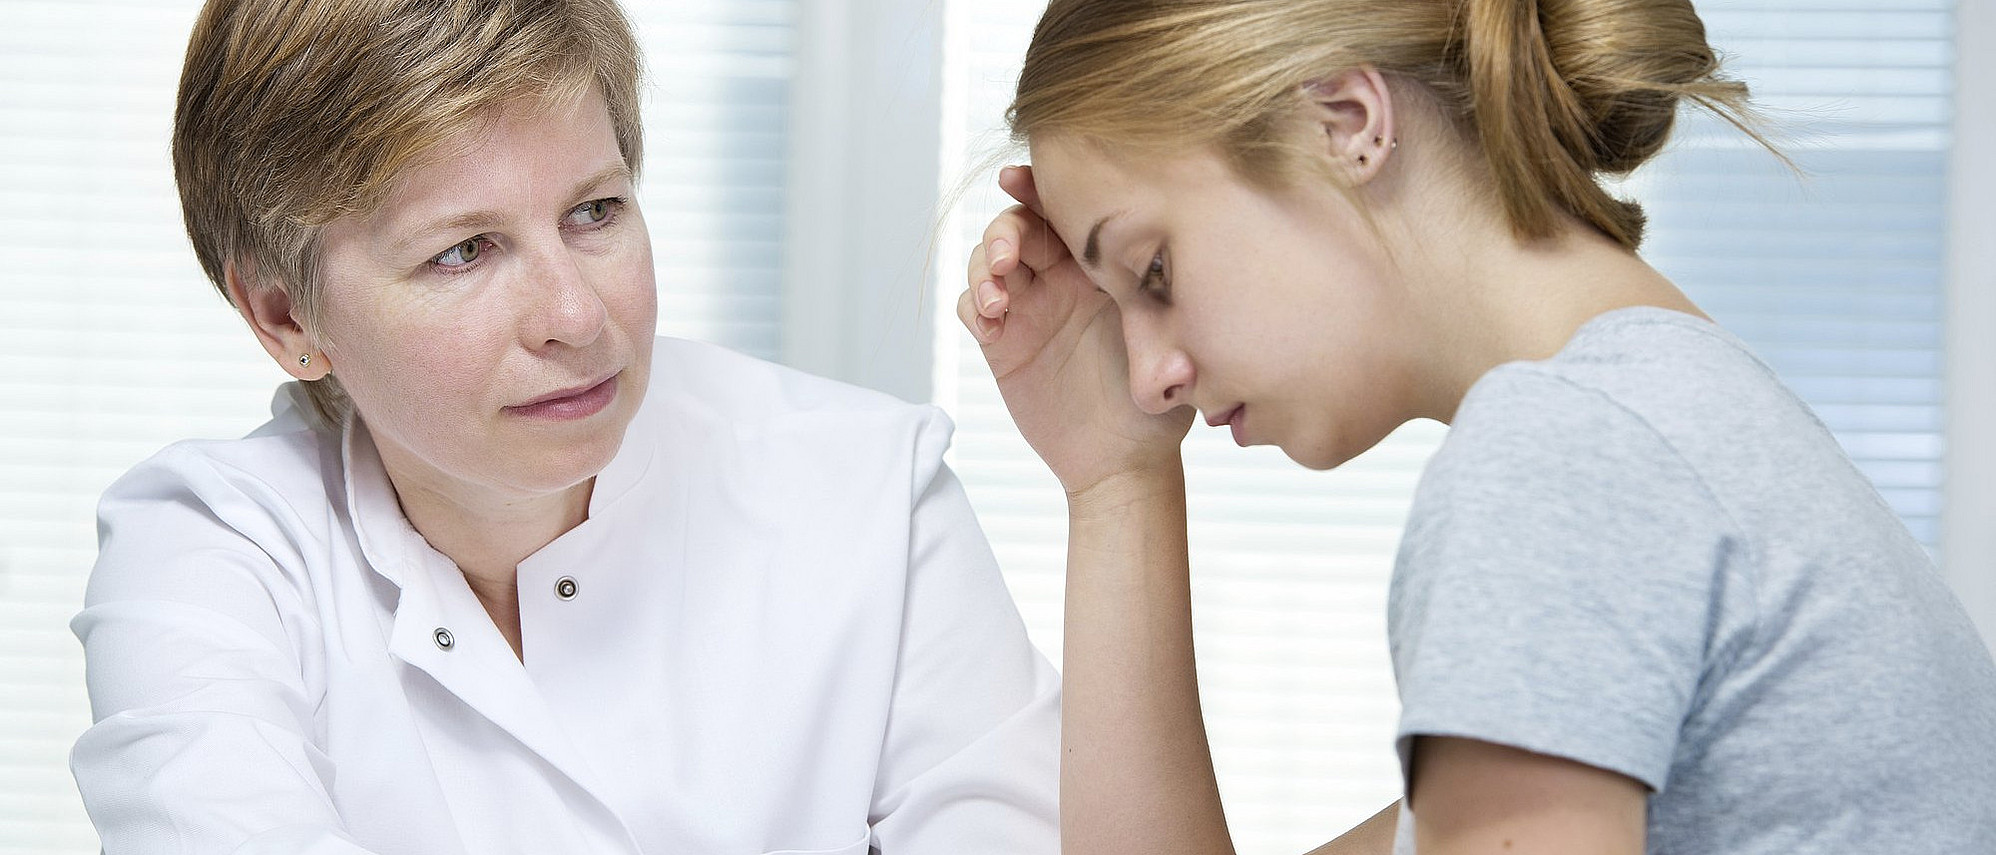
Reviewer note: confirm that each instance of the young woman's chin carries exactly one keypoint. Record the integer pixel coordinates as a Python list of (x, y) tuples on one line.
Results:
[(1312, 456), (1329, 446)]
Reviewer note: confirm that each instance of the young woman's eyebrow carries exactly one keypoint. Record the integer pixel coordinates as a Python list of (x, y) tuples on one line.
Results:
[(1091, 250)]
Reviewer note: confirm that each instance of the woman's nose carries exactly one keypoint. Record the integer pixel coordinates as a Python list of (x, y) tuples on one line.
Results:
[(565, 306), (1160, 375)]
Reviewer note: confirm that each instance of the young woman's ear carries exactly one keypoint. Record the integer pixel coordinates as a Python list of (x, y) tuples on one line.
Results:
[(1351, 119), (274, 318)]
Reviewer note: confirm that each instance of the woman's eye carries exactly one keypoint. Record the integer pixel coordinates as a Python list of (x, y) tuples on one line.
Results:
[(460, 255), (593, 211), (1154, 282)]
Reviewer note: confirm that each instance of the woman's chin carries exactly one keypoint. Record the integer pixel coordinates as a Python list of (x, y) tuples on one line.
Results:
[(563, 466), (1319, 454), (1310, 458)]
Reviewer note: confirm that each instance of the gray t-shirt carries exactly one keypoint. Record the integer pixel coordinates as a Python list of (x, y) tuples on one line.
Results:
[(1647, 555)]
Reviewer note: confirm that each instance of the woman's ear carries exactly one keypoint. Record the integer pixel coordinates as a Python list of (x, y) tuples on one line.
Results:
[(274, 318), (1351, 120)]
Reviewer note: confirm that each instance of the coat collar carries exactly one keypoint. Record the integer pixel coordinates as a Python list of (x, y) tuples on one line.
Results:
[(393, 548), (476, 665)]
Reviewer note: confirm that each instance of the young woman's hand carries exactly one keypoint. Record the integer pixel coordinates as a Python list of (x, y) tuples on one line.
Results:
[(1055, 343)]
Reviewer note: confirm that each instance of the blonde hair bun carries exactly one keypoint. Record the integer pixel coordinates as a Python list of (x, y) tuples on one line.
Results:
[(1553, 93)]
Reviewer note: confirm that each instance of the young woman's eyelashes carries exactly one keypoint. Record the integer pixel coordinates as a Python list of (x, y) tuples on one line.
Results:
[(1156, 281), (588, 216)]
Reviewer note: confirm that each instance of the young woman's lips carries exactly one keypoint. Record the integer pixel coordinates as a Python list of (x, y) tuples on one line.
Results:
[(570, 404), (1231, 418)]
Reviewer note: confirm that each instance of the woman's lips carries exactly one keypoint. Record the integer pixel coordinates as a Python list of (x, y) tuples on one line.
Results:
[(570, 404), (1231, 418)]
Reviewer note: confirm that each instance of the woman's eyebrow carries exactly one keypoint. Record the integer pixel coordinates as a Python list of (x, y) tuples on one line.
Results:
[(481, 220), (1091, 251), (466, 221), (602, 176)]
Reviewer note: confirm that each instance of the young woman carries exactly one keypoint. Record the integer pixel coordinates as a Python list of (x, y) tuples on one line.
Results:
[(1644, 602)]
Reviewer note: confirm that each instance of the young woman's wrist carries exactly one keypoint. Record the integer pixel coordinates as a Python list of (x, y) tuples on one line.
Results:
[(1114, 495)]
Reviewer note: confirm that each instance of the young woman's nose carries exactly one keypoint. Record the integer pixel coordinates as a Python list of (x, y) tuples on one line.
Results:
[(562, 304), (1160, 375)]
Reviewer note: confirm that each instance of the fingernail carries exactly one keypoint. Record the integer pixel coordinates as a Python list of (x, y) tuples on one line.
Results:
[(1000, 248), (987, 295)]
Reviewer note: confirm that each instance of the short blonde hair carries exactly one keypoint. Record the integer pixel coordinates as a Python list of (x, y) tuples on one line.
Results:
[(1554, 93), (295, 113)]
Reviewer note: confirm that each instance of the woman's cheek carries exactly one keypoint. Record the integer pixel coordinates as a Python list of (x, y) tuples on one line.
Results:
[(637, 301)]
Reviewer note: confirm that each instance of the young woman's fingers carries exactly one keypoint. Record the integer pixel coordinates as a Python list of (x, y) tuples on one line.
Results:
[(1017, 182), (988, 291), (1000, 244), (979, 268), (1017, 235), (1039, 246), (966, 312), (982, 328)]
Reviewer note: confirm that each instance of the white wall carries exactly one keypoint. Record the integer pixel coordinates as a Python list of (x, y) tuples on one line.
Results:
[(1968, 544), (865, 155)]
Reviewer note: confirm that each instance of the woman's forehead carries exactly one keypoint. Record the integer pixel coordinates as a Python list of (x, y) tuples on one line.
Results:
[(524, 152)]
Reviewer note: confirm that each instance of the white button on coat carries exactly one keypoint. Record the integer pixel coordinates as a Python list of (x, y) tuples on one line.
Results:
[(793, 638)]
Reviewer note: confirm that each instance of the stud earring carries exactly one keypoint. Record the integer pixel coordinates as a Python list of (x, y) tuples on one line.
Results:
[(1361, 160), (305, 360)]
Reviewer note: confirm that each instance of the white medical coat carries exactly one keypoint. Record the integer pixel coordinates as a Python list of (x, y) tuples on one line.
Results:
[(779, 630)]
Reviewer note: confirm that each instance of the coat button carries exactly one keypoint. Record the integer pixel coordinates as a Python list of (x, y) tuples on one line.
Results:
[(565, 587), (443, 638)]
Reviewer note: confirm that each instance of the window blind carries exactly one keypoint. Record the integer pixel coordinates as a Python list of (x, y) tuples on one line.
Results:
[(112, 344), (1833, 279)]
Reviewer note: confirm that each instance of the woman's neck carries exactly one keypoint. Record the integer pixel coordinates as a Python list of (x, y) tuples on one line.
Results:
[(1480, 297), (1498, 300), (485, 533)]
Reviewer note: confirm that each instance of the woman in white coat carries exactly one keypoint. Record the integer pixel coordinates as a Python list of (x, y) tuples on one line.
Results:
[(504, 573)]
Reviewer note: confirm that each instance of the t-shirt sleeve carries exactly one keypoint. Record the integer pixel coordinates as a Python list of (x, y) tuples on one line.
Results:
[(1559, 582)]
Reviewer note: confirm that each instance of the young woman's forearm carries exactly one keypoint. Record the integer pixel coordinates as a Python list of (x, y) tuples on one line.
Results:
[(1136, 775), (1371, 837)]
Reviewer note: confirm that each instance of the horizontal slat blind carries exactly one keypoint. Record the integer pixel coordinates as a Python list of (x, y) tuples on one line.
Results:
[(1834, 281), (112, 344), (1834, 278), (714, 164)]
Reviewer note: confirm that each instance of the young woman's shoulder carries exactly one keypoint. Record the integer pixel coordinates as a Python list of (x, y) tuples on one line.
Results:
[(1646, 555), (1643, 388)]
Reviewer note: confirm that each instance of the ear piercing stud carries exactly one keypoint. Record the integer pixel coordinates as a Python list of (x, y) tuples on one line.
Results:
[(305, 360), (1394, 144)]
